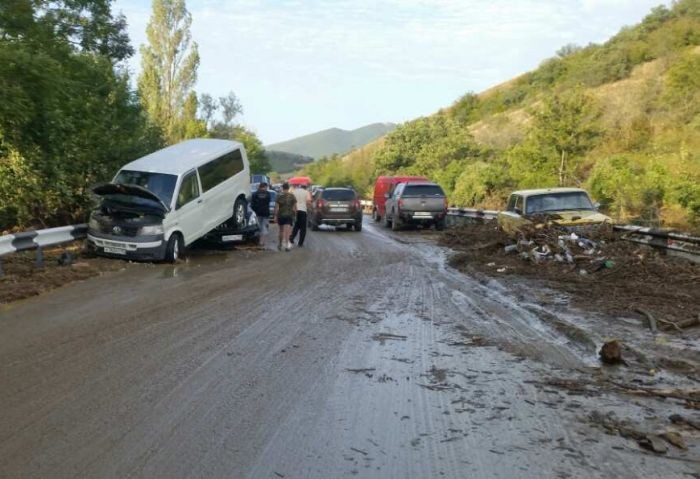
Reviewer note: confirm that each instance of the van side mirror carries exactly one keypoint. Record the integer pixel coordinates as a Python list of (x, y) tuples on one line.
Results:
[(596, 206), (518, 211)]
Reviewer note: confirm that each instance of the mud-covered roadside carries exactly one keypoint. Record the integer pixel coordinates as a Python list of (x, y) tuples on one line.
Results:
[(68, 263), (629, 279), (62, 265)]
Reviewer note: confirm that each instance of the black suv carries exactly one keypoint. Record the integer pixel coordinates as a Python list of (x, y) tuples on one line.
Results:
[(336, 206)]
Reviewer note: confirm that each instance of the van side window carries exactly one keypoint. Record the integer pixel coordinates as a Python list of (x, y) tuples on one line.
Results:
[(220, 169), (189, 190)]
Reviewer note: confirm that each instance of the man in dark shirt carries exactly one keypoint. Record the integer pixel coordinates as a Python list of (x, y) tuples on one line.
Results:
[(285, 211), (260, 204)]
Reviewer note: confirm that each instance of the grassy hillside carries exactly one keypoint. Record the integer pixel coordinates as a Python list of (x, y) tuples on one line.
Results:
[(621, 119), (333, 141), (283, 162)]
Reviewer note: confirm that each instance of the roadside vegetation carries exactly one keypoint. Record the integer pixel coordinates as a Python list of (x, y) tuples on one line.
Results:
[(621, 119), (69, 115)]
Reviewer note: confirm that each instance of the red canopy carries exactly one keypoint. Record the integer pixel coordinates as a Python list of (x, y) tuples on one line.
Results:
[(300, 180)]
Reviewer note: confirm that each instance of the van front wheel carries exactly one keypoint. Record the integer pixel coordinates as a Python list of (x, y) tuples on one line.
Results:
[(239, 214), (174, 248)]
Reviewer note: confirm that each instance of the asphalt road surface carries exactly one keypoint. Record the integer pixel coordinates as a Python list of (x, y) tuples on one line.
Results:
[(361, 355)]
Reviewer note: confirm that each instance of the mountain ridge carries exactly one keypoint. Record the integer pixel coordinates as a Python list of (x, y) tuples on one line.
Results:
[(332, 141)]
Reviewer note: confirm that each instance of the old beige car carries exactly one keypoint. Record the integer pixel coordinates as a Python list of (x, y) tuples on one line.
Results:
[(571, 207)]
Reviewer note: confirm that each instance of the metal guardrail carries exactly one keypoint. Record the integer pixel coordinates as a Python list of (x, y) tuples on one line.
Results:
[(472, 213), (39, 239)]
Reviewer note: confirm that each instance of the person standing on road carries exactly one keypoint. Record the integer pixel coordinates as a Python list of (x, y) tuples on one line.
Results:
[(260, 204), (303, 203), (285, 211)]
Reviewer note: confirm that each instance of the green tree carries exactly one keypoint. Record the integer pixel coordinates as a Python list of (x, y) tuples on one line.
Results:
[(169, 65), (68, 118), (567, 124)]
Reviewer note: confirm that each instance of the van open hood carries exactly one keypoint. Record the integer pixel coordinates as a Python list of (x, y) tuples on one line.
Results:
[(129, 190)]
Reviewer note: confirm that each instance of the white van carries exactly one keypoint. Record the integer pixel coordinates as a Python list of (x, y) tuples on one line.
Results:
[(161, 203)]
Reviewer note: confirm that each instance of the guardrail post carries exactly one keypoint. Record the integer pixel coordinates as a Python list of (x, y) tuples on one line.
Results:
[(2, 273), (39, 258)]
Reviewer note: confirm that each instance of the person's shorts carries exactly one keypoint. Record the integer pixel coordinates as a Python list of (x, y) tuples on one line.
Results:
[(264, 224), (285, 220)]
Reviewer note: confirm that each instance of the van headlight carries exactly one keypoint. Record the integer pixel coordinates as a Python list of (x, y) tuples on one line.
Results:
[(151, 230)]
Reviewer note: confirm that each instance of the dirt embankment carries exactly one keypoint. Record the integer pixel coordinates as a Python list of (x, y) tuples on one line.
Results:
[(23, 278), (604, 274)]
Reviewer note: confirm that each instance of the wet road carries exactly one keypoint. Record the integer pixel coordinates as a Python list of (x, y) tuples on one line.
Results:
[(361, 355)]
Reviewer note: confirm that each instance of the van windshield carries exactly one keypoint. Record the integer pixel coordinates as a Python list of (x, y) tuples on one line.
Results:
[(160, 184)]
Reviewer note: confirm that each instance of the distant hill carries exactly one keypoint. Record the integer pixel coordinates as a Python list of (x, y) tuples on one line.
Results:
[(621, 119), (332, 141), (283, 162)]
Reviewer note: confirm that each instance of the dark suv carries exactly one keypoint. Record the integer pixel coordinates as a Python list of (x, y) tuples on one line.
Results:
[(336, 206), (416, 202)]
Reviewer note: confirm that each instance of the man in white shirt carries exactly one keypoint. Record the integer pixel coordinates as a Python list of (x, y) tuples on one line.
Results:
[(303, 203)]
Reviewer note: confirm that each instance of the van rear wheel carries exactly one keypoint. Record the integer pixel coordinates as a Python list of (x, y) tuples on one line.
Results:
[(238, 219)]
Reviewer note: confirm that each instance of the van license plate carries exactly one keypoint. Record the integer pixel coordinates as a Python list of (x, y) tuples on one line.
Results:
[(114, 250), (339, 209), (422, 213), (232, 238)]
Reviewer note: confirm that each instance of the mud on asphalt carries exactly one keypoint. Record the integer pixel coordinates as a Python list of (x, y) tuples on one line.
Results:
[(616, 301)]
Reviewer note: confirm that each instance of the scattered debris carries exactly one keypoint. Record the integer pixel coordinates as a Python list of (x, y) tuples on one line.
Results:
[(684, 395), (360, 370), (611, 352), (364, 453), (653, 443), (383, 337), (609, 422), (619, 276), (678, 419), (675, 439), (650, 319)]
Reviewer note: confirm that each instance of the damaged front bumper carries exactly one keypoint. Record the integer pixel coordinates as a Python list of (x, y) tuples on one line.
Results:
[(146, 248)]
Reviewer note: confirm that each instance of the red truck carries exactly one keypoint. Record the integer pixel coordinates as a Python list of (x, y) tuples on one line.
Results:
[(383, 185)]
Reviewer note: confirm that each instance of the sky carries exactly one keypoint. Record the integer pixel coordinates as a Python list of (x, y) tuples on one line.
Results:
[(300, 66)]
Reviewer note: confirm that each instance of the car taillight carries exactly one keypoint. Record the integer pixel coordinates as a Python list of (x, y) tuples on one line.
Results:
[(446, 204), (400, 204), (319, 203), (357, 204)]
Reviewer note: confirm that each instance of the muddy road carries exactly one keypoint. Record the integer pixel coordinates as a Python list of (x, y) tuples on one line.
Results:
[(361, 355)]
